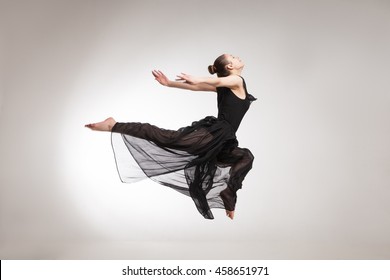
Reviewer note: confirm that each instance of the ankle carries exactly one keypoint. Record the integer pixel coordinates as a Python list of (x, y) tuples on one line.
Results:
[(111, 123)]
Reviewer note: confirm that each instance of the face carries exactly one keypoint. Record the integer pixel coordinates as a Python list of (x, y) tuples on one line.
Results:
[(235, 61)]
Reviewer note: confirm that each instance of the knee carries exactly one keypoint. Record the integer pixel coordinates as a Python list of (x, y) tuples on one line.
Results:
[(248, 157)]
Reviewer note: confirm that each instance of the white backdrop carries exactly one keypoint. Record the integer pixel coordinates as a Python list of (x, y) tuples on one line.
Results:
[(319, 188)]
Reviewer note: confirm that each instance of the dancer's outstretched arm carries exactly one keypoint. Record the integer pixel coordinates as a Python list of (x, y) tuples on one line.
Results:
[(231, 81), (162, 79)]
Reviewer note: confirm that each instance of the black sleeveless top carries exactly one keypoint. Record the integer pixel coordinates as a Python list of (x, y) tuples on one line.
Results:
[(231, 108)]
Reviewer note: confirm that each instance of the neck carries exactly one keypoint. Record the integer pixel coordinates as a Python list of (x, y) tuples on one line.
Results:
[(236, 72)]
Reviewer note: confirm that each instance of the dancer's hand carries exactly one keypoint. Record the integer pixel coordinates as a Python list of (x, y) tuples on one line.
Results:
[(230, 214), (187, 79), (160, 77)]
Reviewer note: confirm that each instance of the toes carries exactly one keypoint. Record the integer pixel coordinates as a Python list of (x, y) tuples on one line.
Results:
[(90, 125)]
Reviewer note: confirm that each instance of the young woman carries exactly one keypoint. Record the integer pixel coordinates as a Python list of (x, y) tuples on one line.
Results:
[(203, 160)]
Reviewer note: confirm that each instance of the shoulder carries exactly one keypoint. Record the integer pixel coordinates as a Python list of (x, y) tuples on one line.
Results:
[(239, 80), (231, 81), (236, 78)]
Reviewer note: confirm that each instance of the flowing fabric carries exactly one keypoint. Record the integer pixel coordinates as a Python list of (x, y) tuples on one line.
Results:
[(202, 160)]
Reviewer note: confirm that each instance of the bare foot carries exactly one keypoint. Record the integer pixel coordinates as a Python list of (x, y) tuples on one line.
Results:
[(105, 125), (230, 214)]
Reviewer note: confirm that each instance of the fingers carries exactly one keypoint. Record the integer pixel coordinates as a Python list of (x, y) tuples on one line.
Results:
[(157, 73), (159, 76), (180, 79), (183, 77)]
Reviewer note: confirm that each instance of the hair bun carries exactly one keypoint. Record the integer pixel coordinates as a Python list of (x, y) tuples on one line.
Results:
[(212, 69)]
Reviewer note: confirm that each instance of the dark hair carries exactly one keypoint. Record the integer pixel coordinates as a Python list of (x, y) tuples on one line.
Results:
[(219, 66)]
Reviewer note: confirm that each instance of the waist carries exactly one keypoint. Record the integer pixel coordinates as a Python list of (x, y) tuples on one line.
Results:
[(232, 123)]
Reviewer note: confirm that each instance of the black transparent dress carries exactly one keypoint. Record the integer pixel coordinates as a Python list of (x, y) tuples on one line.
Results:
[(202, 161)]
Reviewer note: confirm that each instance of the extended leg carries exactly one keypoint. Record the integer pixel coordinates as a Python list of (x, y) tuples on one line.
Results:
[(146, 131), (194, 142)]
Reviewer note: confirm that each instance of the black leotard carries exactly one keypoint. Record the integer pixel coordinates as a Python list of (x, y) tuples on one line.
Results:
[(231, 108)]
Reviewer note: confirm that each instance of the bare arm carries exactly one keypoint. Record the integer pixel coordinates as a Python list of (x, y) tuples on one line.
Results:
[(232, 81), (182, 84)]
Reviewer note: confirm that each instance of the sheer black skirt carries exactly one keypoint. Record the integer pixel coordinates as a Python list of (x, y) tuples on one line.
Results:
[(202, 161)]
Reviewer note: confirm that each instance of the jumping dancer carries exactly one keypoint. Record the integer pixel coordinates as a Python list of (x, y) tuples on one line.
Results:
[(202, 160)]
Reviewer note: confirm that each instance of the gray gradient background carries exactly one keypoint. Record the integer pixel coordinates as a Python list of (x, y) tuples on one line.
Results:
[(320, 186)]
